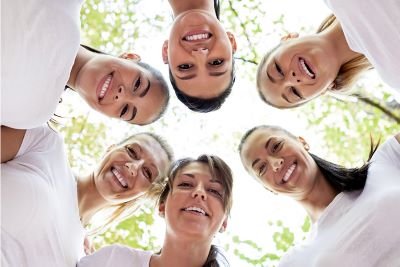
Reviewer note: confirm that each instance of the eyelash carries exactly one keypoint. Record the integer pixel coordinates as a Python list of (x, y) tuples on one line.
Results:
[(278, 69), (261, 169), (276, 146), (294, 91), (132, 153), (185, 66), (137, 84), (216, 62), (124, 110)]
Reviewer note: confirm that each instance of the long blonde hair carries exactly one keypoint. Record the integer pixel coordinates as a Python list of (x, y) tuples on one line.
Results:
[(118, 212), (350, 71)]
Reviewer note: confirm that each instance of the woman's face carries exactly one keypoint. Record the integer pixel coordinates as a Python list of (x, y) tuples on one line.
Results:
[(281, 163), (128, 170), (199, 53), (120, 88), (298, 70), (194, 207)]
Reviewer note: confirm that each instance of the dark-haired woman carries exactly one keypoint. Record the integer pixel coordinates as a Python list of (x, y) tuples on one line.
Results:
[(195, 203), (355, 212), (199, 53)]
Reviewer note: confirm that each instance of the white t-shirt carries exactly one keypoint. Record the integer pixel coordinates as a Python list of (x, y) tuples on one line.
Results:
[(40, 223), (372, 28), (360, 228), (39, 42), (117, 255)]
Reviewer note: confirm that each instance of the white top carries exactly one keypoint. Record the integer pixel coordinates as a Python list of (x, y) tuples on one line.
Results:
[(39, 43), (372, 28), (117, 255), (361, 228), (40, 223)]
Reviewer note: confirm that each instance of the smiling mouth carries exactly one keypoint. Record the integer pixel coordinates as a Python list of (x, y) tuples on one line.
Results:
[(306, 68), (196, 210), (289, 173), (121, 179), (192, 37), (106, 85)]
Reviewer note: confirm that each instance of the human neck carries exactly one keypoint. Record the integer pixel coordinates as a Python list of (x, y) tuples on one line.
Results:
[(81, 59), (320, 196), (179, 6), (335, 37), (89, 200), (180, 252)]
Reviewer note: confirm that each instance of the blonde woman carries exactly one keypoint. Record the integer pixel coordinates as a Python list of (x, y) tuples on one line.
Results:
[(300, 69), (45, 207), (195, 203)]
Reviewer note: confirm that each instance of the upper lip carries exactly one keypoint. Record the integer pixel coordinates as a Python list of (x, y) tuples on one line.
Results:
[(198, 206)]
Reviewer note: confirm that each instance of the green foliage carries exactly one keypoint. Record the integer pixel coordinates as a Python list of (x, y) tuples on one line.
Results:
[(134, 232)]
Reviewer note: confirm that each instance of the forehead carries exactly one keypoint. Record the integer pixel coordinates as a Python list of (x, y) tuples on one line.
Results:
[(204, 85), (197, 168), (257, 140)]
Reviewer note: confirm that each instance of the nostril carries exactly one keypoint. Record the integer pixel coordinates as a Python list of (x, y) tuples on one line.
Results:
[(293, 74), (119, 90)]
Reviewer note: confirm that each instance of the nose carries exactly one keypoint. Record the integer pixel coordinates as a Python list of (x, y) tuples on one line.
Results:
[(199, 192), (118, 95), (134, 166), (276, 164), (200, 52), (294, 78)]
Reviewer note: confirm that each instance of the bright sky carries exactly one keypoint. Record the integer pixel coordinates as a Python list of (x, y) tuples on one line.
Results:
[(191, 134)]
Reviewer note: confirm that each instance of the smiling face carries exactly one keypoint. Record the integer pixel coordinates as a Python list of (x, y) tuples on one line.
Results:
[(280, 162), (194, 208), (128, 170), (200, 54), (120, 88), (298, 70)]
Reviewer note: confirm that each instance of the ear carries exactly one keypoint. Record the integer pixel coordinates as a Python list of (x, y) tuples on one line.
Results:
[(161, 210), (232, 40), (303, 141), (165, 52), (289, 36), (130, 56), (224, 225)]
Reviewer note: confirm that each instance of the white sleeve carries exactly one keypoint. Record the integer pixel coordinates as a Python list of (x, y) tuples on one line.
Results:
[(102, 257), (388, 153)]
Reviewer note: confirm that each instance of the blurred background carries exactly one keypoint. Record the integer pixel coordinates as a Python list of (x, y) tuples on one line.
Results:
[(262, 226)]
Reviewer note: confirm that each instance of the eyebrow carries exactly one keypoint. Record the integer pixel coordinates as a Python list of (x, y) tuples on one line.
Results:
[(266, 147), (270, 77), (191, 76), (146, 90), (287, 99)]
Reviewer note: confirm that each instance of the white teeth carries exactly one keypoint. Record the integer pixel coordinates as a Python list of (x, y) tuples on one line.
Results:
[(194, 37), (105, 86), (289, 172), (120, 178), (199, 210), (304, 67)]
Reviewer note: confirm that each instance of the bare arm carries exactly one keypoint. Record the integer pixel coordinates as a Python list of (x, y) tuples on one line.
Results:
[(11, 140), (397, 136)]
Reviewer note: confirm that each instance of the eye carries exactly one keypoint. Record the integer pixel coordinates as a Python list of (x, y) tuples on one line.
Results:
[(216, 62), (261, 169), (184, 184), (132, 153), (295, 92), (276, 147), (278, 69), (215, 192), (147, 173), (185, 66), (124, 111), (137, 84)]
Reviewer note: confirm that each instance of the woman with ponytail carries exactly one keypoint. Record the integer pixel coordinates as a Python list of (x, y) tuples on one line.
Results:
[(354, 211)]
